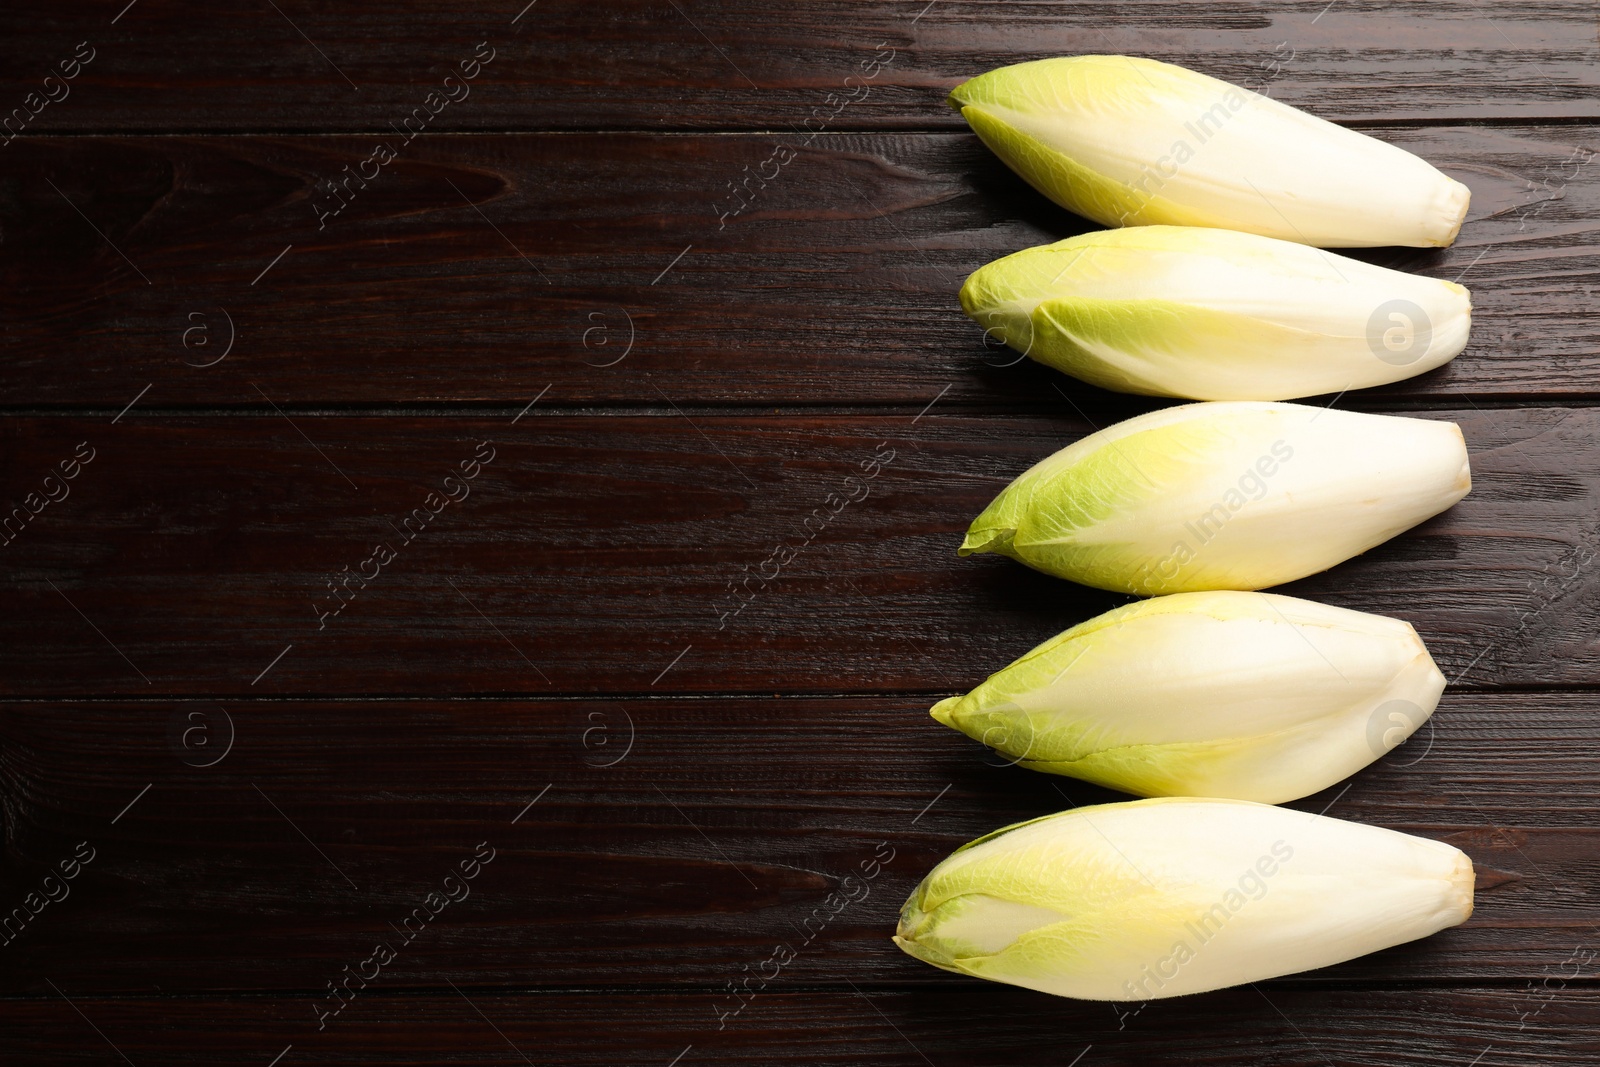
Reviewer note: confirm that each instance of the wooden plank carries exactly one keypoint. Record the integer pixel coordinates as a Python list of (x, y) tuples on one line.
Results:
[(967, 1023), (639, 841), (721, 64), (605, 554), (610, 268)]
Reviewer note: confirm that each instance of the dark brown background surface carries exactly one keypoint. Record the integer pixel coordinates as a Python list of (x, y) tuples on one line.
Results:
[(546, 668)]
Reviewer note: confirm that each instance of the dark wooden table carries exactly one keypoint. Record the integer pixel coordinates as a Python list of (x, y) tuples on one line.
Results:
[(404, 403)]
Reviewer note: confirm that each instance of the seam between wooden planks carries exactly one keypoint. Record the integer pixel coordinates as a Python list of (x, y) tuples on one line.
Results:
[(1573, 689), (1465, 983), (676, 130), (788, 409)]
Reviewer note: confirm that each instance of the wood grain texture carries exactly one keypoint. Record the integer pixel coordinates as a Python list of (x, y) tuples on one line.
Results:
[(693, 63), (634, 553), (973, 1024), (258, 777), (481, 269), (652, 842)]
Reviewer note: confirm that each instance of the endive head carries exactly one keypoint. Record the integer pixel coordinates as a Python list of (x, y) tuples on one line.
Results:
[(1159, 898), (1223, 496), (1252, 696), (1130, 141), (1216, 314)]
